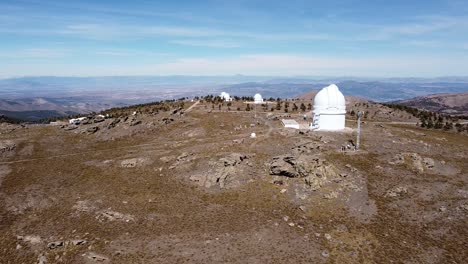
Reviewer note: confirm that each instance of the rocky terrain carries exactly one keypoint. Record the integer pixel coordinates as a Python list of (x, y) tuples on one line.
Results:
[(187, 182)]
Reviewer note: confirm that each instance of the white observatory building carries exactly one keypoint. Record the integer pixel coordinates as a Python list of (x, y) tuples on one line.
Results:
[(226, 97), (329, 109), (258, 99)]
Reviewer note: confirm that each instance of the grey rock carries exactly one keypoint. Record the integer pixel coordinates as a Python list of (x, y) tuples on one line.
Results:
[(42, 259), (113, 123), (96, 257), (135, 122), (92, 130), (55, 244), (78, 242), (7, 146)]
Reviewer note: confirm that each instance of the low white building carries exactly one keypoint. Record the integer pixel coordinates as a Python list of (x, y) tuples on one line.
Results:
[(258, 99), (290, 123), (329, 109), (226, 97)]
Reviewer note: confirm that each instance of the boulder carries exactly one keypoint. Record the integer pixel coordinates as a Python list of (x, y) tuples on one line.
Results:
[(129, 163), (55, 244), (135, 122), (97, 257), (92, 130), (429, 163), (113, 123)]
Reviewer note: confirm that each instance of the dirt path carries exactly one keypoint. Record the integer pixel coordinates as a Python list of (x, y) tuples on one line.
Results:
[(192, 106)]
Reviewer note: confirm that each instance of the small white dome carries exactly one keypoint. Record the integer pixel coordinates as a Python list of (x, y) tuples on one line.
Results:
[(258, 98), (329, 101), (225, 96)]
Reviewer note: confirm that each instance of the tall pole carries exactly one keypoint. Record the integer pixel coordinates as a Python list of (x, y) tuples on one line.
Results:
[(358, 139)]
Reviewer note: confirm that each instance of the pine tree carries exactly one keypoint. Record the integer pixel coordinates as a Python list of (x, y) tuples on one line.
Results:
[(303, 107)]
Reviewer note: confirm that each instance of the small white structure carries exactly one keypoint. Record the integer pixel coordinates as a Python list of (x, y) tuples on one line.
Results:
[(290, 123), (329, 109), (258, 99), (253, 135), (226, 97), (76, 121)]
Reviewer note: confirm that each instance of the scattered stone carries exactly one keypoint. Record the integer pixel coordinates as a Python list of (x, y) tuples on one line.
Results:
[(7, 146), (55, 244), (443, 209), (238, 141), (167, 120), (84, 206), (18, 246), (286, 218), (42, 259), (113, 123), (413, 160), (78, 242), (328, 236), (398, 191), (331, 195), (166, 159), (277, 180), (92, 130), (98, 119), (96, 257), (183, 156), (302, 208), (30, 239), (110, 216), (429, 163), (325, 254), (283, 190), (135, 122), (129, 163), (291, 224), (68, 128)]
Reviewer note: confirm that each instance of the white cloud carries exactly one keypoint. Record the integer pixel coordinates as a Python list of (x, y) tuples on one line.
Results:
[(419, 26), (206, 43), (34, 53), (265, 64)]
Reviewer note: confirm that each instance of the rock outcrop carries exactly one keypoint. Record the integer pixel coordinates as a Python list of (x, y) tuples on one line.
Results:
[(223, 173), (315, 171), (7, 146), (413, 160)]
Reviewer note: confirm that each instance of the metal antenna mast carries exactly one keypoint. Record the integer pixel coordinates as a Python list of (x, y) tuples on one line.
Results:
[(358, 139)]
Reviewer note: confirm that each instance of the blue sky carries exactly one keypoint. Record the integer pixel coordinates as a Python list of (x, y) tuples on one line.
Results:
[(285, 38)]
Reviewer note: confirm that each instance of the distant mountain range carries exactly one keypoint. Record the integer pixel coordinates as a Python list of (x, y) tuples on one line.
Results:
[(453, 104), (21, 97)]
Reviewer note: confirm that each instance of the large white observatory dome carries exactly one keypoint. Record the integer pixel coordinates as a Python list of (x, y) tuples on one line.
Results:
[(258, 99), (329, 100), (329, 109)]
